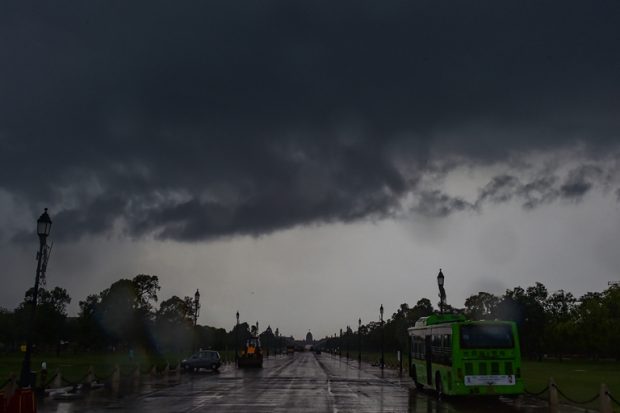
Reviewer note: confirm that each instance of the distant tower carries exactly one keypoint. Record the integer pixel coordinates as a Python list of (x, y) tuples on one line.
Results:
[(309, 339)]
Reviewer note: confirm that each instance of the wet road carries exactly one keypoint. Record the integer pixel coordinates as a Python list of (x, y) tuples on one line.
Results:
[(304, 382)]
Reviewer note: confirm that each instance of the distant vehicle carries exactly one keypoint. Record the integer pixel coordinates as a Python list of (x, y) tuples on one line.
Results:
[(290, 350), (251, 355), (317, 351), (204, 359), (455, 356)]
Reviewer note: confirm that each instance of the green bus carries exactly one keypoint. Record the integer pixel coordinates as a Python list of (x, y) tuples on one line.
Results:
[(456, 356)]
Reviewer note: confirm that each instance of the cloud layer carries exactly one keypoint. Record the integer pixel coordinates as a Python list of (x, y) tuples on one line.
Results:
[(195, 121)]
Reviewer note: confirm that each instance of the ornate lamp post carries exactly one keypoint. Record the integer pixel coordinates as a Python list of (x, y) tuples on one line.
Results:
[(382, 355), (44, 225), (237, 338), (196, 307), (359, 340), (442, 291), (340, 345), (196, 312)]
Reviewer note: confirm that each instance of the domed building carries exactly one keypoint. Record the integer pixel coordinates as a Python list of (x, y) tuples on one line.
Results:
[(309, 339)]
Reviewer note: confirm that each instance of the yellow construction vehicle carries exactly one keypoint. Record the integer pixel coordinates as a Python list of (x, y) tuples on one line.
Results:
[(251, 355)]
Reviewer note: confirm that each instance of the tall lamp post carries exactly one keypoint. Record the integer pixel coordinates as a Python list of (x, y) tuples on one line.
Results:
[(196, 312), (340, 345), (359, 340), (237, 338), (44, 225), (382, 355), (346, 340), (442, 291)]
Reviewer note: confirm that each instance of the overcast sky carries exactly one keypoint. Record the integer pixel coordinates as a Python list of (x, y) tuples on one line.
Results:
[(304, 162)]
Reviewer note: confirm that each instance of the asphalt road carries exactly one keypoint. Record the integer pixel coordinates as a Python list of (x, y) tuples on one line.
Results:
[(304, 382)]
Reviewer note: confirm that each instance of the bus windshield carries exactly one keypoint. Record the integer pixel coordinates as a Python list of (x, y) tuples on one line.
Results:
[(486, 336)]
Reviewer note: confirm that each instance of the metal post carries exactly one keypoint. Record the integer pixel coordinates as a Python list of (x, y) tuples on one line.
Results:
[(196, 311), (359, 341), (346, 339), (340, 345), (25, 378), (44, 224), (382, 334), (237, 339)]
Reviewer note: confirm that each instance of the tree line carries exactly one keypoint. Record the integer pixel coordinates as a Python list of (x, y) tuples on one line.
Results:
[(128, 315), (554, 324)]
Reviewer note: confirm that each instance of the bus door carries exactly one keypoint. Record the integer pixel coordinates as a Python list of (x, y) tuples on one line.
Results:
[(429, 369)]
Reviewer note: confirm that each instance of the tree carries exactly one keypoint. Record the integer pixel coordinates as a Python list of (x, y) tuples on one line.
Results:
[(481, 306), (50, 317), (560, 308), (174, 324), (123, 313)]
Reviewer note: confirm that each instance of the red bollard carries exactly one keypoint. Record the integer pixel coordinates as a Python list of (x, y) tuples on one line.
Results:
[(23, 401)]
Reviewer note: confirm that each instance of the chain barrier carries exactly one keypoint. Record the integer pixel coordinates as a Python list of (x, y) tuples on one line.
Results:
[(7, 381), (590, 400), (104, 378), (612, 398), (50, 380), (97, 377), (537, 394), (71, 383)]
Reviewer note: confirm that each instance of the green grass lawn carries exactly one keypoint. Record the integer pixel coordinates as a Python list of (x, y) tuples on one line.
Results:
[(75, 367), (580, 380)]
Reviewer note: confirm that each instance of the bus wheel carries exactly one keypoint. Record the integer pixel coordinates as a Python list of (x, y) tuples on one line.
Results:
[(438, 385)]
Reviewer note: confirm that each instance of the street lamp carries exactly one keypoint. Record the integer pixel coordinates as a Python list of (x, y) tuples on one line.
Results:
[(44, 225), (346, 339), (340, 345), (196, 307), (382, 355), (196, 311), (359, 340), (442, 291), (237, 338)]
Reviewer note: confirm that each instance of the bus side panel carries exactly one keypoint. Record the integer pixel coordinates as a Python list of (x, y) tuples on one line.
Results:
[(429, 365)]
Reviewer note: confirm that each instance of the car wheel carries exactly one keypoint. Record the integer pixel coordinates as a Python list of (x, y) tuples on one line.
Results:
[(214, 366)]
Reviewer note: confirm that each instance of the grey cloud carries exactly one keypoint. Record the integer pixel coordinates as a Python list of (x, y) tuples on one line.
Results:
[(500, 189), (191, 121), (539, 191), (438, 205), (580, 181)]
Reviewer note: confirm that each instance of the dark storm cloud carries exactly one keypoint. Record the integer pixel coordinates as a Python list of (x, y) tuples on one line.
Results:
[(195, 120), (500, 189), (580, 181), (437, 204)]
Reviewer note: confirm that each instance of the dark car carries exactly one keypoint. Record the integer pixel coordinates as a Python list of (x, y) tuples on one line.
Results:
[(205, 359)]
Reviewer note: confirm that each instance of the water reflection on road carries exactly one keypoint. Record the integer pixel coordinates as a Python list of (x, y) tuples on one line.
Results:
[(304, 382)]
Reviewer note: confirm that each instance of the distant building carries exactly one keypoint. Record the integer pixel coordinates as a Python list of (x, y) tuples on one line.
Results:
[(309, 339)]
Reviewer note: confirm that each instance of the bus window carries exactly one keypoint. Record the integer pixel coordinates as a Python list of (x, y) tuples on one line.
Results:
[(486, 336), (447, 340)]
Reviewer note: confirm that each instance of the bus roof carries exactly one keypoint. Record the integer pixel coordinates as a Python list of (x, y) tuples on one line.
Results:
[(439, 319)]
